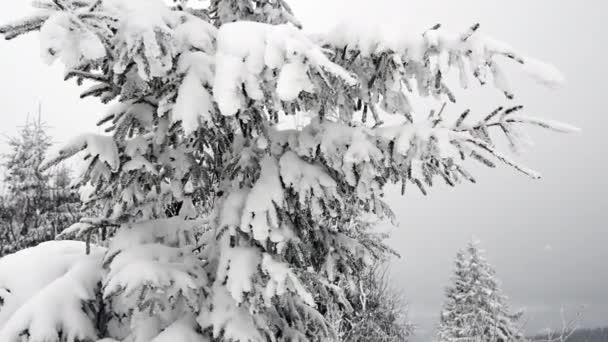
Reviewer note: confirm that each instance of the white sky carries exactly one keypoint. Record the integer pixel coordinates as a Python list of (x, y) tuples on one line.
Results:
[(546, 238)]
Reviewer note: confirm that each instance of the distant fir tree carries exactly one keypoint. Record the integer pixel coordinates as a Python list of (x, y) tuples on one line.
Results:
[(27, 187), (36, 205), (475, 310), (230, 226)]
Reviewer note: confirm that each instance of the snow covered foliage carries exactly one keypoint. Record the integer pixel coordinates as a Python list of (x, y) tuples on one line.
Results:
[(475, 308), (223, 225), (266, 11), (49, 293)]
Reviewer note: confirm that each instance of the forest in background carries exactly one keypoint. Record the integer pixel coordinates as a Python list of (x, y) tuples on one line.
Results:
[(583, 335)]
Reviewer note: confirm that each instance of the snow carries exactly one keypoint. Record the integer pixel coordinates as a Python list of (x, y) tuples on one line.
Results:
[(479, 49), (238, 266), (149, 265), (544, 73), (412, 139), (195, 33), (139, 163), (154, 277), (371, 38), (143, 33), (307, 180), (500, 80), (183, 330), (136, 146), (259, 214), (281, 280), (86, 192), (48, 285), (293, 80), (63, 36), (172, 231), (101, 146), (140, 13), (193, 102), (544, 123), (245, 49), (144, 327), (239, 58), (78, 229), (235, 322), (346, 149), (188, 210), (232, 208)]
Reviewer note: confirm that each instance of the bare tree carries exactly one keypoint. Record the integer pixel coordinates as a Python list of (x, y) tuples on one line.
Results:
[(569, 325)]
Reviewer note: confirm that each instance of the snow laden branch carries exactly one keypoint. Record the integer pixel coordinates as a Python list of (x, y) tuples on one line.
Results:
[(267, 11), (392, 69), (49, 293), (220, 225)]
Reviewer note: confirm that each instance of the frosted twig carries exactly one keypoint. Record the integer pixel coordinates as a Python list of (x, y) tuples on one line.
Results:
[(485, 146), (87, 75)]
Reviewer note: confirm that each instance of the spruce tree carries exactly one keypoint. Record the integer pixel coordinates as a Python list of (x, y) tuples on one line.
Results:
[(220, 225), (475, 308), (27, 186), (36, 205)]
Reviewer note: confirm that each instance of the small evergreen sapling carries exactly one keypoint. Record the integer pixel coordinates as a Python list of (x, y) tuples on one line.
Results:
[(227, 227)]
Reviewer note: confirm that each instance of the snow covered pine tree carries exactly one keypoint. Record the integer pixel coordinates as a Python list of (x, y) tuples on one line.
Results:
[(475, 309), (33, 205), (26, 186), (268, 219)]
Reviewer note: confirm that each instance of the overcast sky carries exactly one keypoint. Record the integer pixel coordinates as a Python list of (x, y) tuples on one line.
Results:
[(547, 239)]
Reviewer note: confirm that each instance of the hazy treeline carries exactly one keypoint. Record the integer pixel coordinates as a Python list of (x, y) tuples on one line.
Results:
[(584, 335)]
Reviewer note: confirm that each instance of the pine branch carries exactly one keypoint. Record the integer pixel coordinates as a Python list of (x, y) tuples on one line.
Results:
[(486, 147), (86, 75), (21, 27)]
